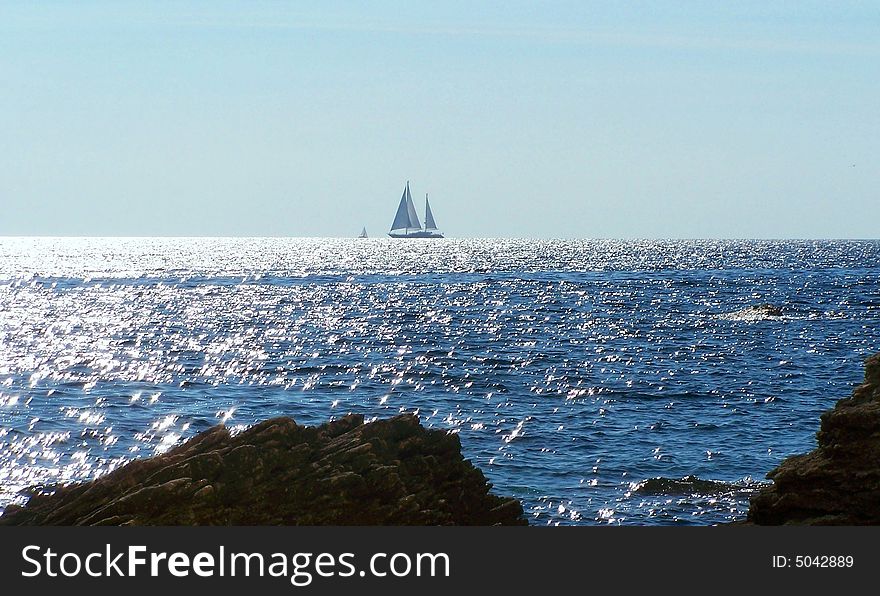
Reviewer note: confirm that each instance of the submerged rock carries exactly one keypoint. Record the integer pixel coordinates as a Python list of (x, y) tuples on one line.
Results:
[(345, 472), (838, 483), (768, 310), (758, 312), (689, 485)]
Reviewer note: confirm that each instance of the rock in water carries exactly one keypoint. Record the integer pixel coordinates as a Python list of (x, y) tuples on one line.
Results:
[(838, 483), (345, 472), (769, 310)]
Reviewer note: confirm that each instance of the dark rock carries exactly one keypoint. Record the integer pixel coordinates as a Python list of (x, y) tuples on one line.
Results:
[(388, 472), (689, 485), (768, 310), (838, 483)]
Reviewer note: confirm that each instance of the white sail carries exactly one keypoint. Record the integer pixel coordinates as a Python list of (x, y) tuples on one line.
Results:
[(406, 217), (363, 233), (401, 219), (430, 224), (411, 211)]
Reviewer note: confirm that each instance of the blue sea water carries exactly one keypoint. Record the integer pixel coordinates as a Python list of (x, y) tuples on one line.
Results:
[(600, 381)]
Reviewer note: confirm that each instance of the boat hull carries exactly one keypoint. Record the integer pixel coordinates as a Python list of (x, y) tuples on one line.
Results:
[(420, 234)]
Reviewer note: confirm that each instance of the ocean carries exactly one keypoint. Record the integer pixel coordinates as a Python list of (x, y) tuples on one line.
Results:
[(599, 381)]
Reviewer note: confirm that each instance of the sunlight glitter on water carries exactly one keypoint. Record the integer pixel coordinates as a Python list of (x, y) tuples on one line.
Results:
[(545, 356)]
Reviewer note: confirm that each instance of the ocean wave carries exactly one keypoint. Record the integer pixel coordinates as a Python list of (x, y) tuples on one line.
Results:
[(759, 312), (772, 312)]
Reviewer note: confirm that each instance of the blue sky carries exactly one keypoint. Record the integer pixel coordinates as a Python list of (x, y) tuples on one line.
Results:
[(556, 119)]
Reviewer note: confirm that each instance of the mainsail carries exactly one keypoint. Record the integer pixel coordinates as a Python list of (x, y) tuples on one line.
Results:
[(429, 217), (406, 217), (411, 211)]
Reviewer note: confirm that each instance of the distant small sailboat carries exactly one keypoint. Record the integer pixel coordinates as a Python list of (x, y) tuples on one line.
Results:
[(363, 233), (406, 223)]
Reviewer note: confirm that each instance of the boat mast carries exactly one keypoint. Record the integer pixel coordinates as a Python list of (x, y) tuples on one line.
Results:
[(413, 218), (403, 218)]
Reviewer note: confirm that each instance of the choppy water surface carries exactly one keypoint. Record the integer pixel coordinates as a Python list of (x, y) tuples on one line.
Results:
[(599, 381)]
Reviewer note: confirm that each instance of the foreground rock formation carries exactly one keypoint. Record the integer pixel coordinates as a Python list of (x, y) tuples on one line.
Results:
[(388, 472), (838, 483)]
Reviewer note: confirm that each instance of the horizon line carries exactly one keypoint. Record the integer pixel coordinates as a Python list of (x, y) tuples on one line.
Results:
[(385, 237)]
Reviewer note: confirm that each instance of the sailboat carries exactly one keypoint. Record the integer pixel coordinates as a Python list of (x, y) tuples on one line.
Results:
[(363, 233), (406, 223)]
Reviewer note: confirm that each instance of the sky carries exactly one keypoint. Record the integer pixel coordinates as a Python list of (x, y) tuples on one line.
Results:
[(520, 119)]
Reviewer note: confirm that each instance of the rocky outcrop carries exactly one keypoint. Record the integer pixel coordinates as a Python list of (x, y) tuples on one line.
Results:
[(388, 472), (839, 482)]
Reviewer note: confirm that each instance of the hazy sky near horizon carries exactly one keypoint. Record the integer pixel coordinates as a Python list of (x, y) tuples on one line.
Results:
[(521, 119)]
